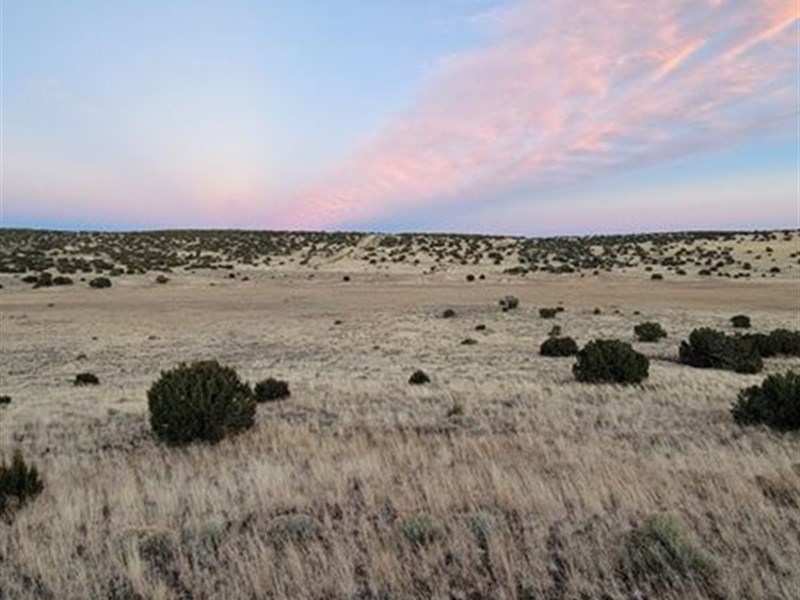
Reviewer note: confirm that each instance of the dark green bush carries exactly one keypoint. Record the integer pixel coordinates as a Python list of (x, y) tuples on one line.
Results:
[(559, 346), (740, 321), (271, 389), (62, 280), (5, 399), (470, 277), (649, 332), (656, 276), (160, 278), (779, 342), (418, 378), (100, 282), (19, 483), (448, 313), (548, 313), (202, 401), (775, 403), (711, 349), (658, 555), (86, 379), (610, 361), (555, 331), (509, 303)]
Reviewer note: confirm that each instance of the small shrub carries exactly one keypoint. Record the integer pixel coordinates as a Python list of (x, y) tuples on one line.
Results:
[(455, 411), (5, 400), (649, 332), (480, 327), (710, 349), (469, 342), (271, 389), (658, 554), (559, 346), (610, 361), (19, 483), (548, 313), (775, 403), (470, 277), (419, 378), (86, 379), (656, 276), (100, 282), (62, 280), (162, 279), (596, 311), (346, 278), (555, 331), (298, 529), (740, 321), (448, 313), (202, 401), (509, 303)]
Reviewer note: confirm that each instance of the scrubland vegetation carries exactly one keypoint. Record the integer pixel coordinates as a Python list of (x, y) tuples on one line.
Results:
[(590, 441)]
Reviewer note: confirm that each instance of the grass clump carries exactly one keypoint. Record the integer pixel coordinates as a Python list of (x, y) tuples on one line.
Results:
[(711, 349), (649, 332), (659, 555), (610, 361), (270, 389), (19, 482), (199, 402), (775, 403), (420, 530), (559, 346)]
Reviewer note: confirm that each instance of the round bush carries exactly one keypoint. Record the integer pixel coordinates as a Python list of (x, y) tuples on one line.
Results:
[(610, 361), (271, 389), (419, 378), (448, 313), (559, 346), (649, 332), (711, 349), (548, 313), (202, 401), (100, 282), (86, 379), (740, 321), (775, 403)]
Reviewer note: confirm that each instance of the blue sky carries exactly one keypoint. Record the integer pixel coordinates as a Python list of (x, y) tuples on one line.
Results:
[(529, 117)]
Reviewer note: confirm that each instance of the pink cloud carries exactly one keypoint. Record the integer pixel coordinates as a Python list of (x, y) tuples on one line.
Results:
[(570, 90)]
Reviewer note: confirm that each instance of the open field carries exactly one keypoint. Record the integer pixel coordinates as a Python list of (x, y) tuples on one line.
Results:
[(360, 486)]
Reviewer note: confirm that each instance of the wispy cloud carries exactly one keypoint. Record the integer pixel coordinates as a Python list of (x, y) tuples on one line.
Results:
[(567, 91)]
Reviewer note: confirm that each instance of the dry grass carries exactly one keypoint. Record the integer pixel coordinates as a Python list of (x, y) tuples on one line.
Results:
[(361, 486)]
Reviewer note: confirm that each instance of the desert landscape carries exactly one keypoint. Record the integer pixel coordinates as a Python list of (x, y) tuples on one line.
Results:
[(503, 476)]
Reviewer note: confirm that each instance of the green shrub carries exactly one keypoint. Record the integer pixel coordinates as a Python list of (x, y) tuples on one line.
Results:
[(610, 361), (659, 555), (202, 401), (100, 282), (419, 378), (711, 349), (656, 277), (555, 331), (62, 280), (160, 278), (776, 343), (470, 277), (86, 379), (740, 321), (5, 399), (649, 332), (559, 346), (271, 389), (548, 313), (509, 303), (19, 483), (448, 313), (775, 403)]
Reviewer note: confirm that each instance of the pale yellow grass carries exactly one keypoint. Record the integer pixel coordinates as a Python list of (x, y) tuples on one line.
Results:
[(558, 472)]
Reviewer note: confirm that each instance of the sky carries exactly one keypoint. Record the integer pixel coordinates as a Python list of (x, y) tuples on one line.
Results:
[(527, 117)]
